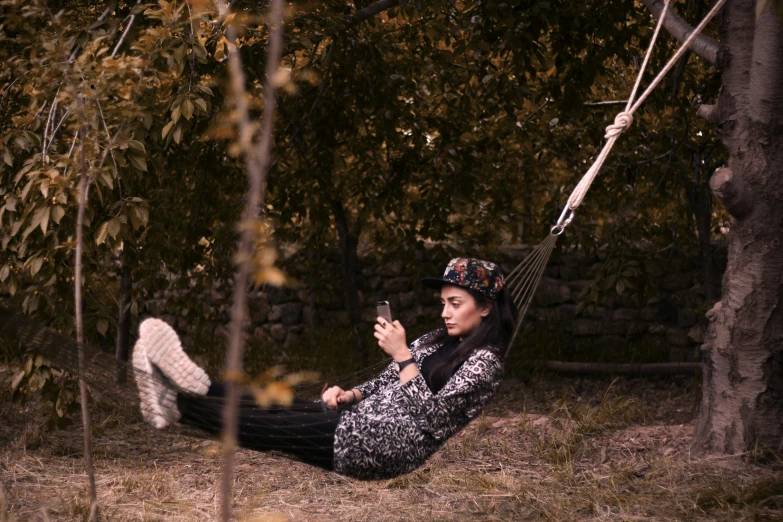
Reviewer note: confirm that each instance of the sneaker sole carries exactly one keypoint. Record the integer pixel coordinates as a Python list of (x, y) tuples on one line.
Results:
[(158, 402), (164, 350)]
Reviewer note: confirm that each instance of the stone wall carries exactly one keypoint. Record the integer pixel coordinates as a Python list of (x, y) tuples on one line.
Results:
[(673, 321)]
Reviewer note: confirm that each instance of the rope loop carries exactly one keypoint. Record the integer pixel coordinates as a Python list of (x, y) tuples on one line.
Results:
[(621, 124)]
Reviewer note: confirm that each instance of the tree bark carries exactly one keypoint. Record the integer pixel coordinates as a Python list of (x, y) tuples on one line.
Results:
[(256, 154), (124, 318), (350, 262), (83, 392), (742, 394), (732, 192)]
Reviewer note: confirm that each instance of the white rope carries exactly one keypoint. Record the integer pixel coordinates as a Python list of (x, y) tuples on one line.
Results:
[(624, 119)]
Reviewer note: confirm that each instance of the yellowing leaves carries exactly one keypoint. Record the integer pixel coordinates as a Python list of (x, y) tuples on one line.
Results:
[(201, 103), (57, 213), (166, 129), (139, 217), (40, 218), (187, 109), (220, 50), (265, 255), (137, 146), (102, 326), (7, 158), (103, 233), (114, 227), (44, 224), (109, 228), (140, 162), (35, 265), (273, 276), (273, 394), (137, 154)]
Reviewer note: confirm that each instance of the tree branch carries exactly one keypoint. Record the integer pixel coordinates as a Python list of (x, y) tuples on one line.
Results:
[(84, 186), (369, 12), (256, 156), (604, 103), (125, 33), (732, 192), (704, 46), (104, 16)]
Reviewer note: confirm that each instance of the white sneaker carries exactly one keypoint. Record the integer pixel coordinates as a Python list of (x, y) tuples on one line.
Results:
[(161, 370), (158, 398), (165, 351)]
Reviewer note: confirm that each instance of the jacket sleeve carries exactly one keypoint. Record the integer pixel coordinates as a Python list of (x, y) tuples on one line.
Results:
[(383, 379), (463, 397), (390, 374)]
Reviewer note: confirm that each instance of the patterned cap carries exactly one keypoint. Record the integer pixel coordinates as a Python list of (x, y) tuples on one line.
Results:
[(481, 276)]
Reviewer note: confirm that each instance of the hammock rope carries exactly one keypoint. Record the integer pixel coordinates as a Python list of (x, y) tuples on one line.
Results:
[(525, 278), (624, 119)]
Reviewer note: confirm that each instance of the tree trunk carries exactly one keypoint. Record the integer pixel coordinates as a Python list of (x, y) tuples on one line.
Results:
[(350, 262), (124, 317), (742, 397)]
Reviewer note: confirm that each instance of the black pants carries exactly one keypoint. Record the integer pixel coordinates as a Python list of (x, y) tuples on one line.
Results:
[(302, 430)]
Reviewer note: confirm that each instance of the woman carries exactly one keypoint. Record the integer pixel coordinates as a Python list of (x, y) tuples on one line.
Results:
[(431, 390)]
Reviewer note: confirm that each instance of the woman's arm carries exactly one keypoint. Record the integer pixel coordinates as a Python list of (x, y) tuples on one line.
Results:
[(409, 373), (383, 379), (461, 399), (395, 346)]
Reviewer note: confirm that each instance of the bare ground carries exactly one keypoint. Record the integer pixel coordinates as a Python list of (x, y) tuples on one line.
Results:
[(547, 449)]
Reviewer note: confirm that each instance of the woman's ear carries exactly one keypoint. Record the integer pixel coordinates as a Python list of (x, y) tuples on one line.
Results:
[(485, 309)]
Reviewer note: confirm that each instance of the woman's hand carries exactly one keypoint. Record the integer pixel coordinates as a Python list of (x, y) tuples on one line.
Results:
[(335, 396), (391, 339)]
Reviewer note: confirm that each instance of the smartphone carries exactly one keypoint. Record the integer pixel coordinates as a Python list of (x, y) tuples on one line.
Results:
[(384, 310)]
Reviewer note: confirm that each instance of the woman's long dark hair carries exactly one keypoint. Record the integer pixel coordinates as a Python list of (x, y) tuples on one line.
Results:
[(494, 333)]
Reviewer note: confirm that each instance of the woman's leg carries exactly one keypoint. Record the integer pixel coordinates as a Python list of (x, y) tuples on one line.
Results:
[(303, 431)]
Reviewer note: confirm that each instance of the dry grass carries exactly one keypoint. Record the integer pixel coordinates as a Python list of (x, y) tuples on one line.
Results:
[(545, 450)]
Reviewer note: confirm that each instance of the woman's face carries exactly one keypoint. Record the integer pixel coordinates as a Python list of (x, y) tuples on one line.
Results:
[(460, 312)]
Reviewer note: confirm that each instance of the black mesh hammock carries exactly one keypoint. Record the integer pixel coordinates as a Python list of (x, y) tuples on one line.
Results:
[(294, 429)]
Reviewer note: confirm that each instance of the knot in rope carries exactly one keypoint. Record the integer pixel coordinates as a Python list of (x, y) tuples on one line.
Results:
[(621, 123)]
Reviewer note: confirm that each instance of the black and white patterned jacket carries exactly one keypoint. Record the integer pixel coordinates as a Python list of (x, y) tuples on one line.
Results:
[(397, 427)]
